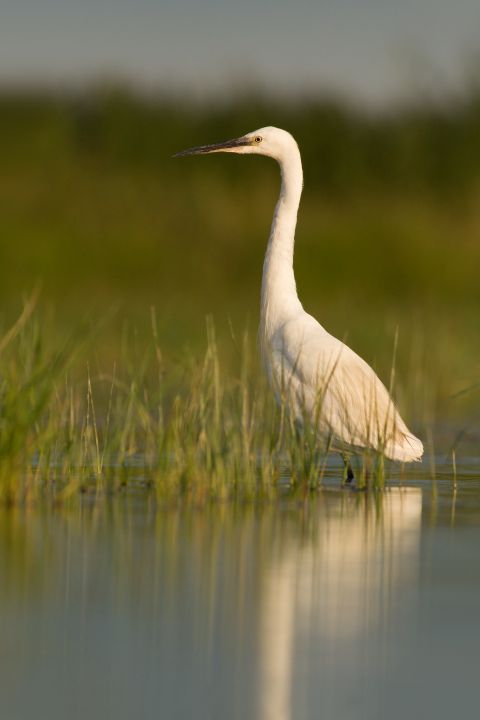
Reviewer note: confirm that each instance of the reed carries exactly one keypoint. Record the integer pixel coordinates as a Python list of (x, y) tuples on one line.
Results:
[(200, 428)]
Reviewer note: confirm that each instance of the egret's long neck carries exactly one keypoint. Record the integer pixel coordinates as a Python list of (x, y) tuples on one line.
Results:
[(279, 291)]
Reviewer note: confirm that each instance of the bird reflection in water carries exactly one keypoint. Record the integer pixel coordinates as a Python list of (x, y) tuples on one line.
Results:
[(323, 598)]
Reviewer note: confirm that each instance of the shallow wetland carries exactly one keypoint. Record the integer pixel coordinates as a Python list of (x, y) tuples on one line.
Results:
[(333, 603)]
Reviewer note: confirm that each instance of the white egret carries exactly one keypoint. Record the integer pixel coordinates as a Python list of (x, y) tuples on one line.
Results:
[(320, 378)]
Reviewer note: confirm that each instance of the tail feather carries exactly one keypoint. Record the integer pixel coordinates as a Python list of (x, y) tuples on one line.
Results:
[(405, 448)]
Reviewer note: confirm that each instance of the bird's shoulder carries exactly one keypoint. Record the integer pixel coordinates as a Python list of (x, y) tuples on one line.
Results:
[(302, 335), (314, 352)]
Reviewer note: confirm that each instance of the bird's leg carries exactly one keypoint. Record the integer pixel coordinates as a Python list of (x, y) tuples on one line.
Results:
[(367, 467), (348, 475)]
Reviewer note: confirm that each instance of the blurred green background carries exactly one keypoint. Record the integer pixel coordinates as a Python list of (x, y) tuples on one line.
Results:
[(94, 209)]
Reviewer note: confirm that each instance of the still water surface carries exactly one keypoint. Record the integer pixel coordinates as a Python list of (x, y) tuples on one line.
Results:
[(343, 605)]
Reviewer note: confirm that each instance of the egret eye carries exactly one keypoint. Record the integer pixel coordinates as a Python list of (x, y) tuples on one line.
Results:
[(258, 139)]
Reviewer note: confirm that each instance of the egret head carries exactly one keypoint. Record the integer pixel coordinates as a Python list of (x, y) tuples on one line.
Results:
[(270, 141)]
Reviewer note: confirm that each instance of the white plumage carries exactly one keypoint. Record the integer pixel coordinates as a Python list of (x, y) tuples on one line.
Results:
[(320, 379)]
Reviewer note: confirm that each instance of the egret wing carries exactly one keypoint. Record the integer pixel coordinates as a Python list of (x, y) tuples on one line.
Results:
[(327, 380)]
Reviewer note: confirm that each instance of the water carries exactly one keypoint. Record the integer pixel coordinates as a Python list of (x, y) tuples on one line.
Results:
[(339, 605)]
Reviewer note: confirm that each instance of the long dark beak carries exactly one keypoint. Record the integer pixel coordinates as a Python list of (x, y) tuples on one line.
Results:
[(217, 147)]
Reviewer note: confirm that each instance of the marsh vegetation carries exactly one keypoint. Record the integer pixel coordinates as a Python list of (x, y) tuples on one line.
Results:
[(95, 214)]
